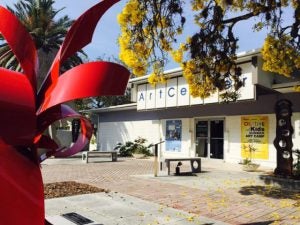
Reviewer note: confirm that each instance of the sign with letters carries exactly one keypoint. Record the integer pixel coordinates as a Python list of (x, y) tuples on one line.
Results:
[(254, 134), (171, 93), (173, 135), (184, 94), (175, 92), (160, 91), (150, 97), (141, 98)]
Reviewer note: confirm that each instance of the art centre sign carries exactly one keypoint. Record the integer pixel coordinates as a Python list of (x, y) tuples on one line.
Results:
[(175, 92)]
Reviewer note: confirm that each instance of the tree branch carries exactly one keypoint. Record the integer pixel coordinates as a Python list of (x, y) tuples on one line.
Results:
[(239, 18), (263, 9)]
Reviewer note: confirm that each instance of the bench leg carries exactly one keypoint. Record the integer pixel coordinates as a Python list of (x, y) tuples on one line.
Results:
[(87, 158), (198, 168), (114, 157)]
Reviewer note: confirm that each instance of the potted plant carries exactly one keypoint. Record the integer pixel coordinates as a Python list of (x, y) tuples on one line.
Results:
[(248, 164)]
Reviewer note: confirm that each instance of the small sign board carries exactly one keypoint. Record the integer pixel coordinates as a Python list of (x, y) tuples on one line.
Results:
[(77, 218)]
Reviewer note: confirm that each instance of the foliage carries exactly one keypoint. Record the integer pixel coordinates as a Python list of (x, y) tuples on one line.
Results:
[(251, 150), (47, 31), (208, 58), (93, 139), (141, 21), (246, 161), (138, 146), (296, 165), (105, 101), (125, 149)]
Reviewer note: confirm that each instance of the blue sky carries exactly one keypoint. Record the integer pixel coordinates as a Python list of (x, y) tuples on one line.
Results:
[(105, 38)]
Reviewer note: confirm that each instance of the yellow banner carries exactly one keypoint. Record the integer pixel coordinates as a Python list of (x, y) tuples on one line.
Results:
[(254, 137)]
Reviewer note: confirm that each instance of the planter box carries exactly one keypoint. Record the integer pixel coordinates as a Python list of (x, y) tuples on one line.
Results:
[(138, 156), (251, 167)]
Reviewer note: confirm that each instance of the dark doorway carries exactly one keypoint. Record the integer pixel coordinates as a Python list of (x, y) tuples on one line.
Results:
[(210, 138)]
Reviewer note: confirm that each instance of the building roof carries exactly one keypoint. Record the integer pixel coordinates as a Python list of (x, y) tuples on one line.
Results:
[(284, 87), (111, 108)]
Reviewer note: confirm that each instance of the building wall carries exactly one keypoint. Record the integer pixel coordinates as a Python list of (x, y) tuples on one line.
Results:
[(233, 130), (111, 133), (264, 78), (263, 105), (122, 126), (154, 131), (186, 143)]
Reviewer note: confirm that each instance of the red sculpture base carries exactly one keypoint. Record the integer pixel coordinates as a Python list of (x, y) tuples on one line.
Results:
[(21, 189)]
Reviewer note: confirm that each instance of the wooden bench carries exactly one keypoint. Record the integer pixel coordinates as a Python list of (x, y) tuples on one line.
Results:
[(194, 168), (87, 154)]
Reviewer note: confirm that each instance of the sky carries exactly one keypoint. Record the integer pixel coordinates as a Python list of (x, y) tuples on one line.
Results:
[(105, 37), (104, 41)]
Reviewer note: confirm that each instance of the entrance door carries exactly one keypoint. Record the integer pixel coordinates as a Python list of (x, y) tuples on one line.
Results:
[(210, 138), (202, 138)]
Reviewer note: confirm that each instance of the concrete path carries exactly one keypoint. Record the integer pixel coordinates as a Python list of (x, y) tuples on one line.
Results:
[(119, 209), (222, 193)]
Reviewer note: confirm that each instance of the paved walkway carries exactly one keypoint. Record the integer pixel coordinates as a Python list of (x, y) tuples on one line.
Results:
[(222, 193), (120, 209)]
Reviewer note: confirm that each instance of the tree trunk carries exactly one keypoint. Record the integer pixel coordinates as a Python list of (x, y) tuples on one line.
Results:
[(45, 62)]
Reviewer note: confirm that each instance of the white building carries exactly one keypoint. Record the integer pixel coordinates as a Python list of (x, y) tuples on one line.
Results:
[(207, 128)]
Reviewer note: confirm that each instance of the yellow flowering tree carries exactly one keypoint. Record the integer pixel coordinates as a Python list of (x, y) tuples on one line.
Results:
[(149, 30)]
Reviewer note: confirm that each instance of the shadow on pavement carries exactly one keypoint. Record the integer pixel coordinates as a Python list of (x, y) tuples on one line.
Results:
[(188, 174), (185, 174), (104, 161), (269, 191), (260, 223), (287, 183)]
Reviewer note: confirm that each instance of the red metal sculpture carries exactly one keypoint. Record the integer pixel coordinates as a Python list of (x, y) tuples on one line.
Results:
[(26, 114)]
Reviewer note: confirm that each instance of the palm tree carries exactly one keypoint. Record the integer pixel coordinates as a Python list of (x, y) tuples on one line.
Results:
[(39, 17)]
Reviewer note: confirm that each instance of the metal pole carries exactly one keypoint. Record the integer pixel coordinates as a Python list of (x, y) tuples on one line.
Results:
[(155, 160)]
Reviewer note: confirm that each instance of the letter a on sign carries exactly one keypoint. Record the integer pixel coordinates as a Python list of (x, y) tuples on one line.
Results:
[(141, 98), (141, 104)]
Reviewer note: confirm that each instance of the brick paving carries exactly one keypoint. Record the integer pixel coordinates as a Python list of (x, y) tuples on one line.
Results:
[(234, 197)]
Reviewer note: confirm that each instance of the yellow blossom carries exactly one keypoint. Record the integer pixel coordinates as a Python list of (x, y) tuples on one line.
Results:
[(279, 56), (177, 55)]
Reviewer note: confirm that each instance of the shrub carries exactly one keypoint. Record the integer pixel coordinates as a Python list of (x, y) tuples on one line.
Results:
[(125, 149), (296, 165), (138, 146)]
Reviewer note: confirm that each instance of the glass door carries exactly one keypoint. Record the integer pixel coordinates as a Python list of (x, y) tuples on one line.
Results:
[(210, 138), (202, 138), (216, 139)]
